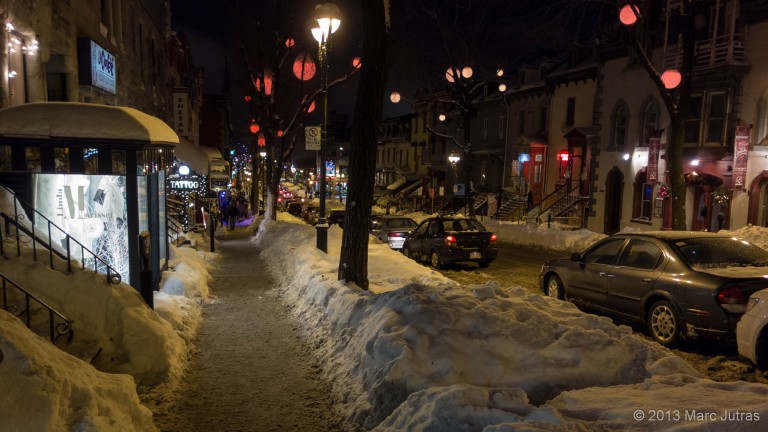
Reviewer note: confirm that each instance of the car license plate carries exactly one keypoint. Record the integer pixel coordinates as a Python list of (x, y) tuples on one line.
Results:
[(474, 255)]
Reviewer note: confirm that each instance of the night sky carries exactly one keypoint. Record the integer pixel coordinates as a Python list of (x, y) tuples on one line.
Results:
[(486, 34)]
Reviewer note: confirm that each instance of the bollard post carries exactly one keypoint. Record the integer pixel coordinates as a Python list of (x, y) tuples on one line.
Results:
[(212, 226)]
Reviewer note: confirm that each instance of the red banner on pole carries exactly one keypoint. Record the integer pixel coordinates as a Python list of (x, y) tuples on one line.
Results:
[(740, 156), (654, 145)]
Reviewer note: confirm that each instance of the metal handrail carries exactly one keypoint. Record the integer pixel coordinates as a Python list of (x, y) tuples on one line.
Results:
[(552, 199), (56, 330), (113, 276)]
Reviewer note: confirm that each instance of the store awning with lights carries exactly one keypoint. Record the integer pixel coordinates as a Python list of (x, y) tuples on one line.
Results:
[(193, 156)]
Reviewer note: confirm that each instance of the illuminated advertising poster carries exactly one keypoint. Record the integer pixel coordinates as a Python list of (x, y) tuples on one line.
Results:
[(740, 156), (92, 210)]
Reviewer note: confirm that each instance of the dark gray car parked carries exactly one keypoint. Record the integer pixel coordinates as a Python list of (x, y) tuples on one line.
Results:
[(675, 282), (442, 240)]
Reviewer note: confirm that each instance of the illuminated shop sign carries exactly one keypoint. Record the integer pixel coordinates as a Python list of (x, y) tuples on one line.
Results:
[(97, 66), (184, 184)]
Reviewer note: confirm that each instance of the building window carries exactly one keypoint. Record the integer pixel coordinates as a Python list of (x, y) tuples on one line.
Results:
[(118, 162), (620, 121), (485, 129), (643, 199), (716, 117), (6, 161), (61, 159), (693, 123), (521, 123), (650, 122), (33, 159), (502, 120), (543, 119), (570, 112)]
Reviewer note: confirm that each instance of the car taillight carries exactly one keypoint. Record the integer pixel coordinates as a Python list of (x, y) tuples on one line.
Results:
[(394, 234), (732, 299), (493, 237), (450, 240)]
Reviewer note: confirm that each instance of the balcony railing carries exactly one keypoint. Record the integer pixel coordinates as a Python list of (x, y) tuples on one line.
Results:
[(723, 50)]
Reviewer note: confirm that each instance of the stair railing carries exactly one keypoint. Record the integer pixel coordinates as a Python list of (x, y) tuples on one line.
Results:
[(552, 199), (58, 324), (113, 276)]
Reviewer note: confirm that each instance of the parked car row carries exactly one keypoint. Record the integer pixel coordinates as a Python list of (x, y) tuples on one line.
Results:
[(676, 284)]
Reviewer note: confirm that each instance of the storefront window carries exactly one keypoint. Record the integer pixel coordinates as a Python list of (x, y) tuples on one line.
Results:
[(33, 159), (61, 159), (91, 160)]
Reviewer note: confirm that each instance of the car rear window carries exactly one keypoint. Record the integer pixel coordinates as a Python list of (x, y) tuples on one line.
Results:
[(401, 223), (721, 252), (455, 225)]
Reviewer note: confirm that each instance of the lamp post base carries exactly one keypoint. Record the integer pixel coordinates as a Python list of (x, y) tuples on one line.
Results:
[(322, 235)]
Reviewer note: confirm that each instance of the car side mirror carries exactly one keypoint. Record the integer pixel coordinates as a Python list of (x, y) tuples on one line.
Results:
[(576, 257)]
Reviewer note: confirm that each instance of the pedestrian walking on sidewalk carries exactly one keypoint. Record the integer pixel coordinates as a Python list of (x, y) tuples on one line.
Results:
[(232, 214)]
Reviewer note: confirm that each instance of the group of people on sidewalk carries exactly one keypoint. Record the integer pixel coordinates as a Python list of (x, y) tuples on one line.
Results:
[(234, 211)]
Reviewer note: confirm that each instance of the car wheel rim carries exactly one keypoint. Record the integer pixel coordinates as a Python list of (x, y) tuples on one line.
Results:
[(663, 323), (435, 259), (553, 288)]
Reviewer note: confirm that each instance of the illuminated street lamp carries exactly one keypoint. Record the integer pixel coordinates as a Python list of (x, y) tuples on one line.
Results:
[(328, 18), (454, 159)]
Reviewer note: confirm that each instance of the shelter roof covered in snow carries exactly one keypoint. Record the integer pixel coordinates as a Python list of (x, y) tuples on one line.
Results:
[(51, 120)]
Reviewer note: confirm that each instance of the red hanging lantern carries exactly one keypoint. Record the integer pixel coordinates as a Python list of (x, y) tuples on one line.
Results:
[(261, 141), (303, 67), (247, 98), (279, 133), (311, 107), (628, 14), (267, 82), (253, 127), (356, 63), (671, 78), (290, 42)]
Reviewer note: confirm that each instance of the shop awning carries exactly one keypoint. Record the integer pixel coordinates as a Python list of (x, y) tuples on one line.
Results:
[(193, 156), (67, 120)]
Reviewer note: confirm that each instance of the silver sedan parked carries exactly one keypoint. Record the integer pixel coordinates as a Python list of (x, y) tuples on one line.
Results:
[(676, 283)]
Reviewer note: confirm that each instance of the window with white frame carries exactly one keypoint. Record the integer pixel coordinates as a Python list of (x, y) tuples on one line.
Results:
[(693, 122), (643, 198)]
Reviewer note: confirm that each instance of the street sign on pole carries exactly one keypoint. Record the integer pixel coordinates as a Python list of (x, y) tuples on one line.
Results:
[(312, 137)]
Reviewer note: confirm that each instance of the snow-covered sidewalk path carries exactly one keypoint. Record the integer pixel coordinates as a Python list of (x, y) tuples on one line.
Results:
[(249, 370)]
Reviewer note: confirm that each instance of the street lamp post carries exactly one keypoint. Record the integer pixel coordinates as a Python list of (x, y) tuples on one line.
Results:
[(263, 179), (328, 18), (454, 159)]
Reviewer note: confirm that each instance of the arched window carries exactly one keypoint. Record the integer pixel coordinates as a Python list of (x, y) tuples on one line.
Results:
[(620, 120), (650, 121)]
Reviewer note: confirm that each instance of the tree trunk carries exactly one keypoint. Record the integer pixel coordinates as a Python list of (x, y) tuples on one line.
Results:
[(676, 172), (469, 192), (353, 261)]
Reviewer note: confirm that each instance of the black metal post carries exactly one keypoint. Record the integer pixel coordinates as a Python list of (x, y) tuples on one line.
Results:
[(322, 225)]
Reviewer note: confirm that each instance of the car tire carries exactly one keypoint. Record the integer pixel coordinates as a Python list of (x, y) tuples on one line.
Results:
[(484, 264), (434, 259), (555, 288), (664, 323)]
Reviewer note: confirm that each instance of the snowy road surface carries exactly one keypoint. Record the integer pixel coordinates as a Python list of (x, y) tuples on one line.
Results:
[(249, 370)]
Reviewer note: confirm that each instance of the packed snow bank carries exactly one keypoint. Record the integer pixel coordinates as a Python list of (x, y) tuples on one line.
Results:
[(59, 392), (419, 332), (133, 339)]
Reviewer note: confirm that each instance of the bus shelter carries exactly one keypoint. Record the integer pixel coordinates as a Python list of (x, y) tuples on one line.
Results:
[(99, 173)]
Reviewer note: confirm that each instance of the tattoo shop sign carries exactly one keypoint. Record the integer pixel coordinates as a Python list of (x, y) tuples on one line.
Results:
[(184, 184)]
